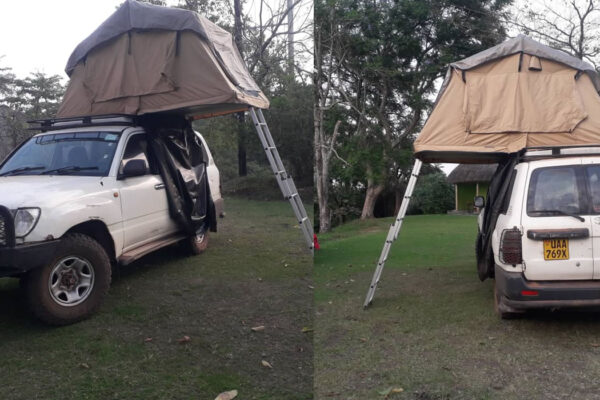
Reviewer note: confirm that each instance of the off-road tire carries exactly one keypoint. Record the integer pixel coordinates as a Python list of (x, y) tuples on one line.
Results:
[(198, 247), (39, 297)]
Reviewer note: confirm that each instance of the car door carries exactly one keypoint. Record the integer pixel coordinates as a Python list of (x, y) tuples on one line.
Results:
[(144, 203), (557, 246)]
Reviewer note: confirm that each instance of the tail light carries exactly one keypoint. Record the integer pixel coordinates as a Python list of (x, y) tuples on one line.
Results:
[(510, 247)]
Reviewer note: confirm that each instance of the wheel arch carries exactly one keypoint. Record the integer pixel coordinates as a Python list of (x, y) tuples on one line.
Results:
[(98, 231)]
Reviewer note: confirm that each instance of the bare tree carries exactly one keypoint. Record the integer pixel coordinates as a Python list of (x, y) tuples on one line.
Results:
[(569, 25)]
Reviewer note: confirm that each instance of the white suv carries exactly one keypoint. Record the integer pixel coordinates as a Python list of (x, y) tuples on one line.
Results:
[(82, 196), (545, 245)]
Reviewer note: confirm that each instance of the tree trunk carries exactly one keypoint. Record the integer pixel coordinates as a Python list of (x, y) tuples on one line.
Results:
[(290, 18), (241, 134), (373, 192), (241, 143), (321, 169)]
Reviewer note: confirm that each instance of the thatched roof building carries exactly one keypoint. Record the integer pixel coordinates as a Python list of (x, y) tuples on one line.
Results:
[(470, 180), (472, 173)]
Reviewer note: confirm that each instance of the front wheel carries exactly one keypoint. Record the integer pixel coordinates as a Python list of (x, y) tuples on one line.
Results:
[(73, 284)]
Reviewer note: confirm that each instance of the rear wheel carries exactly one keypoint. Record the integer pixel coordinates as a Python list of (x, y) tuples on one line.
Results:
[(73, 284)]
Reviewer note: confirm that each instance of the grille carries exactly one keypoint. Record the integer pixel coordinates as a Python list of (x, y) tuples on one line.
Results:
[(7, 228)]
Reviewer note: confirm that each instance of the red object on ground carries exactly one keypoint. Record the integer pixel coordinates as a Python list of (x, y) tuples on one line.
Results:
[(317, 247)]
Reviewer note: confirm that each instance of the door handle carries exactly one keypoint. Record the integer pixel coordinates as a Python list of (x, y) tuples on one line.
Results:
[(159, 186)]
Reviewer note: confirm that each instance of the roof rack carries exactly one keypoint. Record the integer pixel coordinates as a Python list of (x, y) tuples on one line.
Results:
[(559, 151), (52, 124)]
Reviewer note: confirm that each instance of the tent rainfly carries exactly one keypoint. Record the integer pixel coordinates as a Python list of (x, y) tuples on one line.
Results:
[(497, 103), (146, 59), (515, 95)]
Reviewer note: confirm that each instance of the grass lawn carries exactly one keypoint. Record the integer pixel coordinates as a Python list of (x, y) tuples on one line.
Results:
[(256, 271), (432, 330)]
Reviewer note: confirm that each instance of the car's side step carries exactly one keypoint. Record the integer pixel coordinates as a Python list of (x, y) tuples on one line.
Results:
[(139, 252)]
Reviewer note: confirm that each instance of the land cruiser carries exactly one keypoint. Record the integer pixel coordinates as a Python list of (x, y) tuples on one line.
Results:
[(545, 240), (89, 193)]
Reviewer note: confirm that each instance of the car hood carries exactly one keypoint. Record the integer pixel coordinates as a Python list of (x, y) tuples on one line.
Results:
[(46, 190)]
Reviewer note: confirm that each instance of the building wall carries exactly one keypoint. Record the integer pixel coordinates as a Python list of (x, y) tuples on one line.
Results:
[(465, 194)]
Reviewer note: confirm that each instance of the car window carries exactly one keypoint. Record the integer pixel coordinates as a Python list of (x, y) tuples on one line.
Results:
[(91, 152), (593, 180), (554, 189)]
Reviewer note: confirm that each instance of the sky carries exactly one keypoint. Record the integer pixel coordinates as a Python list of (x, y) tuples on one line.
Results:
[(39, 35)]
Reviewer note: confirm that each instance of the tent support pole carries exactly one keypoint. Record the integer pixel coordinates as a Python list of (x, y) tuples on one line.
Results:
[(286, 183), (393, 232)]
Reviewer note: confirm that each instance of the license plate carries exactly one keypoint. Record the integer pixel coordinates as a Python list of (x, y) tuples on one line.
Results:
[(556, 249)]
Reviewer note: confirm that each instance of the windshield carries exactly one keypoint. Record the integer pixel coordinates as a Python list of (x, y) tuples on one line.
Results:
[(75, 153)]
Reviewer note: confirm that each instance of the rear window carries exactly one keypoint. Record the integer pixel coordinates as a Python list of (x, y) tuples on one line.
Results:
[(554, 189)]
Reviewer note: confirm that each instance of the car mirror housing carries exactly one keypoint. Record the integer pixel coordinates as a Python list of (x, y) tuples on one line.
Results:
[(134, 168), (479, 201)]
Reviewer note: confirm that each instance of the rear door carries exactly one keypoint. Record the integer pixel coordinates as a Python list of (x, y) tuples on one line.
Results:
[(557, 246)]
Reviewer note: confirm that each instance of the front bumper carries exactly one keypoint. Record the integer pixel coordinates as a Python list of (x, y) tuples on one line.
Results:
[(18, 259), (550, 294), (22, 258)]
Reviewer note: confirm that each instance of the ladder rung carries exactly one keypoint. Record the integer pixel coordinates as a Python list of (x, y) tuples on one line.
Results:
[(270, 148), (303, 219), (292, 195)]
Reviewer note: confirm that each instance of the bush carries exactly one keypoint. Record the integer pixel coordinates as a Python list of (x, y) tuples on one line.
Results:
[(432, 195)]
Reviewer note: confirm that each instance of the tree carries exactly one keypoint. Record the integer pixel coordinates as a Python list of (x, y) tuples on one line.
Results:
[(37, 96), (572, 26), (433, 195), (387, 61)]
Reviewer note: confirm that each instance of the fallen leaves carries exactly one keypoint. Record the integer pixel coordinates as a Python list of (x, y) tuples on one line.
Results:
[(183, 340), (148, 340), (306, 329), (84, 366), (259, 328), (227, 395), (266, 364), (390, 391)]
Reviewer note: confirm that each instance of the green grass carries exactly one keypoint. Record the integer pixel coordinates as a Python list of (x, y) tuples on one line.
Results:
[(256, 271), (431, 329)]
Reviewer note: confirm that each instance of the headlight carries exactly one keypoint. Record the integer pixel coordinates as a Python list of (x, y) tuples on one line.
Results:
[(25, 220)]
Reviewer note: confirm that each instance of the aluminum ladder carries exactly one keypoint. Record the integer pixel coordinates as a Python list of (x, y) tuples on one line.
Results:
[(286, 183), (393, 232)]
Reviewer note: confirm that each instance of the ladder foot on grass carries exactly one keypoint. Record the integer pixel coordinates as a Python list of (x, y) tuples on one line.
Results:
[(393, 233)]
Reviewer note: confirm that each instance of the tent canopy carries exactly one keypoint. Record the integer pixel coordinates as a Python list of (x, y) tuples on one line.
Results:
[(515, 95), (145, 59)]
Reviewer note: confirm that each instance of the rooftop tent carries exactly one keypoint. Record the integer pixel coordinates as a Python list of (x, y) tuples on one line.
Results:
[(517, 94), (146, 59)]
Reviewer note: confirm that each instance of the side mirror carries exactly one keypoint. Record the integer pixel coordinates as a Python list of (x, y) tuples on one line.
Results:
[(134, 168), (479, 201)]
